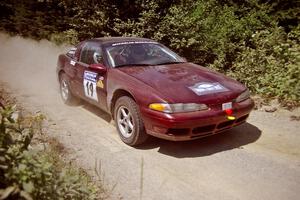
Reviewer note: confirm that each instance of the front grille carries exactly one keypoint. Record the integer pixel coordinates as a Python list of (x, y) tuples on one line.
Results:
[(243, 118), (178, 131), (202, 135), (203, 129), (225, 124), (206, 130)]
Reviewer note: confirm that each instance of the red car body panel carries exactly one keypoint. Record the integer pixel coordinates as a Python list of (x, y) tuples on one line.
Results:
[(159, 84), (180, 77)]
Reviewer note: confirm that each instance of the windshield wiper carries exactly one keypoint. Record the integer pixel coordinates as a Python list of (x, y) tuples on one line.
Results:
[(169, 63), (128, 65)]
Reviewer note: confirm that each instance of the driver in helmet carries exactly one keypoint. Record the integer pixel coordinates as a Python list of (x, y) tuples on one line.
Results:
[(97, 57)]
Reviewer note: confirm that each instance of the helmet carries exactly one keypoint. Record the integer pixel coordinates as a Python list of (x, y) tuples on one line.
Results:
[(97, 57)]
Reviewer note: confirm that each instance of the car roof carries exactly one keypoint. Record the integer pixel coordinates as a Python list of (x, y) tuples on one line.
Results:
[(112, 40)]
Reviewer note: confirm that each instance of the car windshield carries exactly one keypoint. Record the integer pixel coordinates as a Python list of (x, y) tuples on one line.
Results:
[(141, 53)]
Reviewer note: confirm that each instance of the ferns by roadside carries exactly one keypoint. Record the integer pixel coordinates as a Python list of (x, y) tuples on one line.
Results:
[(27, 172)]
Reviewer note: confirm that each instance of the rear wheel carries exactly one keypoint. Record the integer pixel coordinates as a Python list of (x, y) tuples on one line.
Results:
[(65, 92), (129, 123)]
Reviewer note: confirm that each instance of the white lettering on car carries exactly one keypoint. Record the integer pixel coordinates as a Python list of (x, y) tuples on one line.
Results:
[(72, 62), (90, 85), (134, 42), (203, 88)]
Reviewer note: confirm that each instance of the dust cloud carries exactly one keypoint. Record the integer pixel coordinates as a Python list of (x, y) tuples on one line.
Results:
[(29, 66)]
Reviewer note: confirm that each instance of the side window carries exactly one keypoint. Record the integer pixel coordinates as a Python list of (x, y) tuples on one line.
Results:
[(91, 53)]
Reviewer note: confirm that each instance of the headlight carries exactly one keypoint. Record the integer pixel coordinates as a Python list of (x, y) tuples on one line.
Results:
[(178, 107), (245, 95)]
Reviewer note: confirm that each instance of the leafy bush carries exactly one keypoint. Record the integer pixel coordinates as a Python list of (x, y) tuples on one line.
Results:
[(31, 174), (271, 64), (226, 35), (67, 37)]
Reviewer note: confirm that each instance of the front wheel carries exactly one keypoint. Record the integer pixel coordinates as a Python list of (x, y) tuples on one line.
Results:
[(129, 123)]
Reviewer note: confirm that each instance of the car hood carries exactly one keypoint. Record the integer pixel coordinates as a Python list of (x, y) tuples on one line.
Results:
[(179, 83)]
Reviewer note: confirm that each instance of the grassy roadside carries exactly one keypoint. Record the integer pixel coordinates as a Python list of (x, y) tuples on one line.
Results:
[(33, 165)]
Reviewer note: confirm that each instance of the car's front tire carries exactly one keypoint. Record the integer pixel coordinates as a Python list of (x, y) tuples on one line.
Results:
[(65, 92), (129, 122)]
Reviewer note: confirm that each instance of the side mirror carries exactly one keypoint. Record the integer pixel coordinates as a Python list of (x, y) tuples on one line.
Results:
[(100, 68)]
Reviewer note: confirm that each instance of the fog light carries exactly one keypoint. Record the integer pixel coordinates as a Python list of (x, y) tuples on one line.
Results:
[(158, 129)]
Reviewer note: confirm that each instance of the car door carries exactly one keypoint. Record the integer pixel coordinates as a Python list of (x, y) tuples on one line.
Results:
[(90, 83), (70, 67)]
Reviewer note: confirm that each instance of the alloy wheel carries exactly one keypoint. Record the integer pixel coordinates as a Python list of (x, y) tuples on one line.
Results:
[(125, 121), (64, 90)]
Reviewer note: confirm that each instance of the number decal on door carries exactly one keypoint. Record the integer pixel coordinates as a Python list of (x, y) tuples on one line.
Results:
[(90, 84)]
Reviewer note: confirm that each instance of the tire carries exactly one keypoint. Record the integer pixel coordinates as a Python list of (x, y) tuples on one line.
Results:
[(65, 91), (129, 122)]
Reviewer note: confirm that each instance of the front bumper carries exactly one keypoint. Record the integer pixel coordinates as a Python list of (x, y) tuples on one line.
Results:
[(193, 125)]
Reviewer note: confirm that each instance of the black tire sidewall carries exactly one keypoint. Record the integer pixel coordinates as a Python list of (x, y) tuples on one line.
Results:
[(69, 99)]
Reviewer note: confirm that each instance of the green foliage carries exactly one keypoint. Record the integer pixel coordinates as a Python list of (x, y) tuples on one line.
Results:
[(271, 65), (31, 174), (207, 31), (66, 37), (35, 19), (147, 22), (226, 35), (88, 19)]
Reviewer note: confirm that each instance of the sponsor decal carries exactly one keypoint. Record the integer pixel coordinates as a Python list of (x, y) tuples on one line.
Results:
[(100, 82), (204, 88), (134, 42), (89, 84), (227, 106), (72, 62)]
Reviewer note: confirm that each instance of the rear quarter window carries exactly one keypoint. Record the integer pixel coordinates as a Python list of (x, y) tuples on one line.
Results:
[(71, 52)]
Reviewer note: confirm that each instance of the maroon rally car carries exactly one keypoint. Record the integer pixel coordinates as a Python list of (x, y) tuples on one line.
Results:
[(150, 90)]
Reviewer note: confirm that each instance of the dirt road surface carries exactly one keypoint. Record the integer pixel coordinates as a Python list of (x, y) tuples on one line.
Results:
[(258, 160)]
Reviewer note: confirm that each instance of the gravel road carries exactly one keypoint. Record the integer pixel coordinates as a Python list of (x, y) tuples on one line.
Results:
[(258, 160)]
